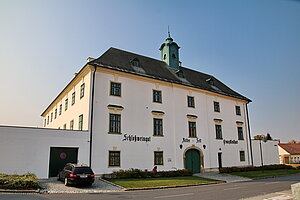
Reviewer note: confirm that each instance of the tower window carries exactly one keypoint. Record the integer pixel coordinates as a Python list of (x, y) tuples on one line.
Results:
[(135, 62), (165, 56), (173, 55)]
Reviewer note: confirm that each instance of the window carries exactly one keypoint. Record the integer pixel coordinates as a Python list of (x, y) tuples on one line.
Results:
[(114, 123), (51, 117), (80, 122), (71, 124), (45, 122), (114, 159), (115, 89), (191, 102), (82, 90), (192, 129), (216, 106), (65, 126), (73, 98), (48, 119), (60, 109), (66, 104), (237, 110), (157, 96), (173, 55), (242, 156), (240, 133), (55, 113), (158, 158), (157, 127), (218, 131)]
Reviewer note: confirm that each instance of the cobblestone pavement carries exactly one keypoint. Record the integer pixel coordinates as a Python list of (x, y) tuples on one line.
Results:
[(222, 177), (52, 185)]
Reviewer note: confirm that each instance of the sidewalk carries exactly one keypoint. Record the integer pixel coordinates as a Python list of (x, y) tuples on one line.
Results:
[(222, 177), (284, 195)]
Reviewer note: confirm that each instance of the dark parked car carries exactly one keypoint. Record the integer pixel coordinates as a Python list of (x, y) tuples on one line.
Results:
[(76, 174)]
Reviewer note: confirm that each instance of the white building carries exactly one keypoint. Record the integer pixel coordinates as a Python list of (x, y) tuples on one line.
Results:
[(141, 112)]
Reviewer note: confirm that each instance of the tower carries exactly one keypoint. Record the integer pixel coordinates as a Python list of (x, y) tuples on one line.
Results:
[(170, 53)]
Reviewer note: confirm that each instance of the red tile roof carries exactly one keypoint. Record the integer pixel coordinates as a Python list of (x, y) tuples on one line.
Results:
[(292, 148)]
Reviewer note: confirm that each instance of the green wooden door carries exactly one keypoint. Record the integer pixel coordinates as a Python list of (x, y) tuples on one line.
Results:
[(59, 157), (192, 160)]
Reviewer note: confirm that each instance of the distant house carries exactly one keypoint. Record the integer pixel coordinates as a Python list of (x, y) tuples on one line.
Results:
[(289, 153)]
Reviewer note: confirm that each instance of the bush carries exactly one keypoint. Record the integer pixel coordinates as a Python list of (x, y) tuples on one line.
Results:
[(25, 181), (137, 173), (245, 169)]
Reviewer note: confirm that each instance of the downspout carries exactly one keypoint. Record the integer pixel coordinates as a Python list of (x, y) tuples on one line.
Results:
[(250, 141), (92, 117)]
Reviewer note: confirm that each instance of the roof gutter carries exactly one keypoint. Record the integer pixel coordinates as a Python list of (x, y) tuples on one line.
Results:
[(92, 117), (250, 141)]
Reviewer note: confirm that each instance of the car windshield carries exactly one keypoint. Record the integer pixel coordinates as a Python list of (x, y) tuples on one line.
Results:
[(83, 170)]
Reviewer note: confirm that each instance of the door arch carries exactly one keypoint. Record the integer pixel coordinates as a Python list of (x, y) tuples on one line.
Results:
[(193, 160)]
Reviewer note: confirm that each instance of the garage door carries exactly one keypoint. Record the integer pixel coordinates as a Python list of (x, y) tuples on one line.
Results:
[(59, 156)]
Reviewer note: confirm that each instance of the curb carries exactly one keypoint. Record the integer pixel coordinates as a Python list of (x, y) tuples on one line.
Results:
[(175, 186), (19, 191)]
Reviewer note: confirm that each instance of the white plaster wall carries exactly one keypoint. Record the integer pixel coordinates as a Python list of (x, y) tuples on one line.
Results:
[(81, 106), (26, 149), (270, 153), (137, 120), (282, 154)]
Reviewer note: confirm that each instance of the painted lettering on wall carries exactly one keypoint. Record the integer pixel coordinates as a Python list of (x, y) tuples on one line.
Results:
[(198, 140), (134, 138), (230, 142)]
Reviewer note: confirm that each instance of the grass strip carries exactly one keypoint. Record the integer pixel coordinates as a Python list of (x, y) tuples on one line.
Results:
[(159, 182), (266, 173)]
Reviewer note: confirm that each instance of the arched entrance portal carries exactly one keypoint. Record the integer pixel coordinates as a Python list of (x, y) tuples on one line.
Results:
[(192, 160)]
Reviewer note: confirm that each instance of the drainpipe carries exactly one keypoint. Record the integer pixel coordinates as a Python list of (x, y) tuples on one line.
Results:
[(92, 117), (250, 141)]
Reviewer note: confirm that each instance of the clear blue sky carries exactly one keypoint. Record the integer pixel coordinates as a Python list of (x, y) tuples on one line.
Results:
[(252, 46)]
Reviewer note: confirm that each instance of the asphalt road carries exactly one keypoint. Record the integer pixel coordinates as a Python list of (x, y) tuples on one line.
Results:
[(225, 191)]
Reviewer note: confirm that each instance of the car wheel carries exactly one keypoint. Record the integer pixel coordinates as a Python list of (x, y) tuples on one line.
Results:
[(66, 182)]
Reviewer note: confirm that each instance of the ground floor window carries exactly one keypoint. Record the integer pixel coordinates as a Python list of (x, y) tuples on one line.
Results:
[(158, 158), (242, 156), (114, 158)]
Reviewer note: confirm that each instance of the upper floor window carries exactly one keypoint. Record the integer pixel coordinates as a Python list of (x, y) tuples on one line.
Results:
[(218, 131), (60, 109), (55, 113), (73, 98), (216, 106), (157, 97), (45, 122), (240, 133), (114, 158), (82, 90), (80, 122), (192, 129), (242, 156), (51, 117), (158, 158), (191, 102), (237, 110), (115, 89), (71, 124), (48, 119), (157, 127), (114, 123), (66, 104)]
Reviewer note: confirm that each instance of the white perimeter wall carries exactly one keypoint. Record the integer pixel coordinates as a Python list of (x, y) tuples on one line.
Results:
[(24, 149), (269, 150)]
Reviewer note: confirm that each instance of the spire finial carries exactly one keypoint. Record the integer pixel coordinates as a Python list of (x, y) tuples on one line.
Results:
[(168, 31)]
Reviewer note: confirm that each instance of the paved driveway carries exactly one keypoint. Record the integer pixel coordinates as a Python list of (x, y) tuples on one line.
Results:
[(222, 177), (52, 185)]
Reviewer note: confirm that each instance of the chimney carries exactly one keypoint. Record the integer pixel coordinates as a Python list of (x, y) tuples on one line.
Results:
[(89, 59), (75, 74)]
